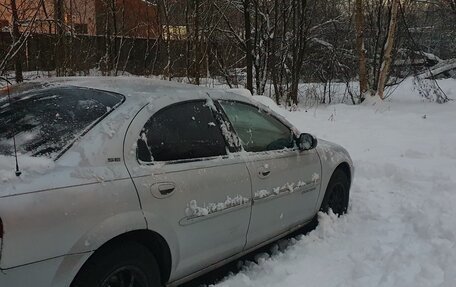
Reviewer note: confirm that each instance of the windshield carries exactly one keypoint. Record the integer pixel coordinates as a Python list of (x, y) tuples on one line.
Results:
[(46, 120)]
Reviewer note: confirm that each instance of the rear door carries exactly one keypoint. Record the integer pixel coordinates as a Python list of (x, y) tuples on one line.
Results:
[(188, 183), (285, 180)]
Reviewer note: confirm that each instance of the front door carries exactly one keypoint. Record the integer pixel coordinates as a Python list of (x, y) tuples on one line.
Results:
[(188, 184), (285, 180)]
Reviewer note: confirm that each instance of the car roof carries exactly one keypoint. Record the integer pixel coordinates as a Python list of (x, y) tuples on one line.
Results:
[(144, 90), (129, 86)]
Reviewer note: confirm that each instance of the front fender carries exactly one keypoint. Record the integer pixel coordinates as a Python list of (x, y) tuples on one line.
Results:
[(331, 156)]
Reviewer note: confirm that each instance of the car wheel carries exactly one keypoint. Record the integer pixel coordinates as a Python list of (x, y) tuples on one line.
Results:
[(130, 265), (337, 193)]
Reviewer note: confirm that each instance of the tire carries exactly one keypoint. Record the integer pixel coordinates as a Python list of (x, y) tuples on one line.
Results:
[(120, 266), (337, 193)]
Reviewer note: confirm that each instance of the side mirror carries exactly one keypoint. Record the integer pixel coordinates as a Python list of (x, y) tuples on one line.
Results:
[(307, 142)]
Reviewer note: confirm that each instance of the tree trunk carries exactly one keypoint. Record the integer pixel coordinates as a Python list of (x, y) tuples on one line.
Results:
[(60, 32), (359, 23), (248, 45), (197, 41), (167, 28), (388, 49), (16, 35), (274, 58), (300, 34), (113, 37)]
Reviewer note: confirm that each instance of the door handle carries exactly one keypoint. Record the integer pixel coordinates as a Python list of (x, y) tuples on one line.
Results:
[(264, 173), (163, 190), (166, 189)]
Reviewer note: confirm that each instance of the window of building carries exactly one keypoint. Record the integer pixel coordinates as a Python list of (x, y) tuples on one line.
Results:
[(81, 29)]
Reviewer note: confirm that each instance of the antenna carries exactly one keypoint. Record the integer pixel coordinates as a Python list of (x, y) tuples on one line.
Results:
[(8, 85)]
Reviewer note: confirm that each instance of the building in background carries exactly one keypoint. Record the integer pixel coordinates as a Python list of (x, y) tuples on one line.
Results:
[(38, 16), (132, 18)]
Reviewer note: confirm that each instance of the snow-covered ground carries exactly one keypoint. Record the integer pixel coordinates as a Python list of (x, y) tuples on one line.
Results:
[(401, 227)]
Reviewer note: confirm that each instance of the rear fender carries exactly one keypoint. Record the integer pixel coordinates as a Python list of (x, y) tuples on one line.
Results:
[(106, 231), (94, 239)]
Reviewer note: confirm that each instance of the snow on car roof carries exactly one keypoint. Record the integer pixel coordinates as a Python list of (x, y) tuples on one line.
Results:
[(141, 87), (128, 86), (142, 90)]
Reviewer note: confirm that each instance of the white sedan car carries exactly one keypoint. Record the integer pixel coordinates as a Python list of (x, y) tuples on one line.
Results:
[(134, 182)]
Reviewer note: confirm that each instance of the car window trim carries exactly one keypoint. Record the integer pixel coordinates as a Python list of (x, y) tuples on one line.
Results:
[(220, 106), (181, 161), (235, 148), (190, 160)]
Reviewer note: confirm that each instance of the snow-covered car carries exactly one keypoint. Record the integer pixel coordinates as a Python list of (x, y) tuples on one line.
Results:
[(136, 182)]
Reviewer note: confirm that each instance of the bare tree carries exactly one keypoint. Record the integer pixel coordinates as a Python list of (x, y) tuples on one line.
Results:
[(59, 20), (19, 38), (388, 49), (165, 10), (248, 45), (16, 36)]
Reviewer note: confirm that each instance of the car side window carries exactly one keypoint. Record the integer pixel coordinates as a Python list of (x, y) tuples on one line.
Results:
[(182, 131), (257, 130)]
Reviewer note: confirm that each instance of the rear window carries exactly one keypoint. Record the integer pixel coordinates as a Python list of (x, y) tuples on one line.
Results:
[(47, 120)]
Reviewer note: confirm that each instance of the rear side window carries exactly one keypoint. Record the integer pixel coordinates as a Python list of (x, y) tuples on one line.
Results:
[(47, 120), (181, 132)]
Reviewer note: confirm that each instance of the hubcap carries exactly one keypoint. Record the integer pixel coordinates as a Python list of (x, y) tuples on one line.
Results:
[(338, 200), (127, 276)]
